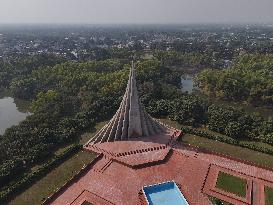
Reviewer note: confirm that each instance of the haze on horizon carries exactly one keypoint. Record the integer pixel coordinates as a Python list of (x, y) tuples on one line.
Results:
[(136, 11)]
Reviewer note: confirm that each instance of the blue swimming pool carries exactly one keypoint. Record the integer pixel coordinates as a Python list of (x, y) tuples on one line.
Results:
[(164, 194)]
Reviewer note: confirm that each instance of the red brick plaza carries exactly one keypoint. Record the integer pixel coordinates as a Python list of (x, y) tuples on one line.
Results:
[(135, 150), (122, 168)]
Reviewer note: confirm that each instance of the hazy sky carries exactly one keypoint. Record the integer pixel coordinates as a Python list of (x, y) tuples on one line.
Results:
[(135, 11)]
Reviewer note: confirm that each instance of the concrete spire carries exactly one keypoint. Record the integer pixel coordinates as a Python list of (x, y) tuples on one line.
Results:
[(131, 119)]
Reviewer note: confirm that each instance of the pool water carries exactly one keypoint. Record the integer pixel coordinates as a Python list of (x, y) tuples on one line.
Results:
[(164, 194)]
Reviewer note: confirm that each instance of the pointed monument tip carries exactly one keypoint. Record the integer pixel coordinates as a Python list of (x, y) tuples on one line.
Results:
[(131, 120)]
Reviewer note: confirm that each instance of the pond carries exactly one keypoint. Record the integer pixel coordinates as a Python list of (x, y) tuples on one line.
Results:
[(187, 85), (12, 112)]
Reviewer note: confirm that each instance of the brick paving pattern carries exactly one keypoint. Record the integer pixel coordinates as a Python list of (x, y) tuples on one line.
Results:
[(135, 150), (118, 178)]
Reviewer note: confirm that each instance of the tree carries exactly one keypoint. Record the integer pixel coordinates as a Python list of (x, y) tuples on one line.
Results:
[(44, 100)]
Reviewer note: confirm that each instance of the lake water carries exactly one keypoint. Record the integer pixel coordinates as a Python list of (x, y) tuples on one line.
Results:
[(12, 111), (187, 84)]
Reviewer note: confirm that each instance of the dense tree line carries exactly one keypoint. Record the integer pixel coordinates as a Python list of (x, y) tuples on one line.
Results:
[(66, 77), (164, 100), (64, 104), (18, 66), (250, 79), (68, 98), (192, 111)]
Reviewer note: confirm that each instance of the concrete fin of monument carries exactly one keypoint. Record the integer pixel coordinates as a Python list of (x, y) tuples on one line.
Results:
[(131, 121)]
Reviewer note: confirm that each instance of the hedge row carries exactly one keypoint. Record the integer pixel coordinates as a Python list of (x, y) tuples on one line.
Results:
[(28, 179), (225, 139)]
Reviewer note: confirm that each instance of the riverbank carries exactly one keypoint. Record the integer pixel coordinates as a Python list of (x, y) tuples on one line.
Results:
[(12, 110), (188, 87)]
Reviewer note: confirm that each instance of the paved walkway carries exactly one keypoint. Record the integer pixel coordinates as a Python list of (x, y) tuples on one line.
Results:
[(117, 181)]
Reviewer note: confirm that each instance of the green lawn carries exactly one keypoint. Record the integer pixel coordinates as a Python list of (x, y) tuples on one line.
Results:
[(231, 184), (231, 150), (44, 187), (241, 141), (268, 196)]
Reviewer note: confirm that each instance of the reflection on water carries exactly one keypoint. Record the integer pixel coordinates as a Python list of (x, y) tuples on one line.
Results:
[(12, 111), (187, 84)]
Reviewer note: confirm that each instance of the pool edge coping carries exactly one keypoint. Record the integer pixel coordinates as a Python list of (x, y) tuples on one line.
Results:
[(157, 184)]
